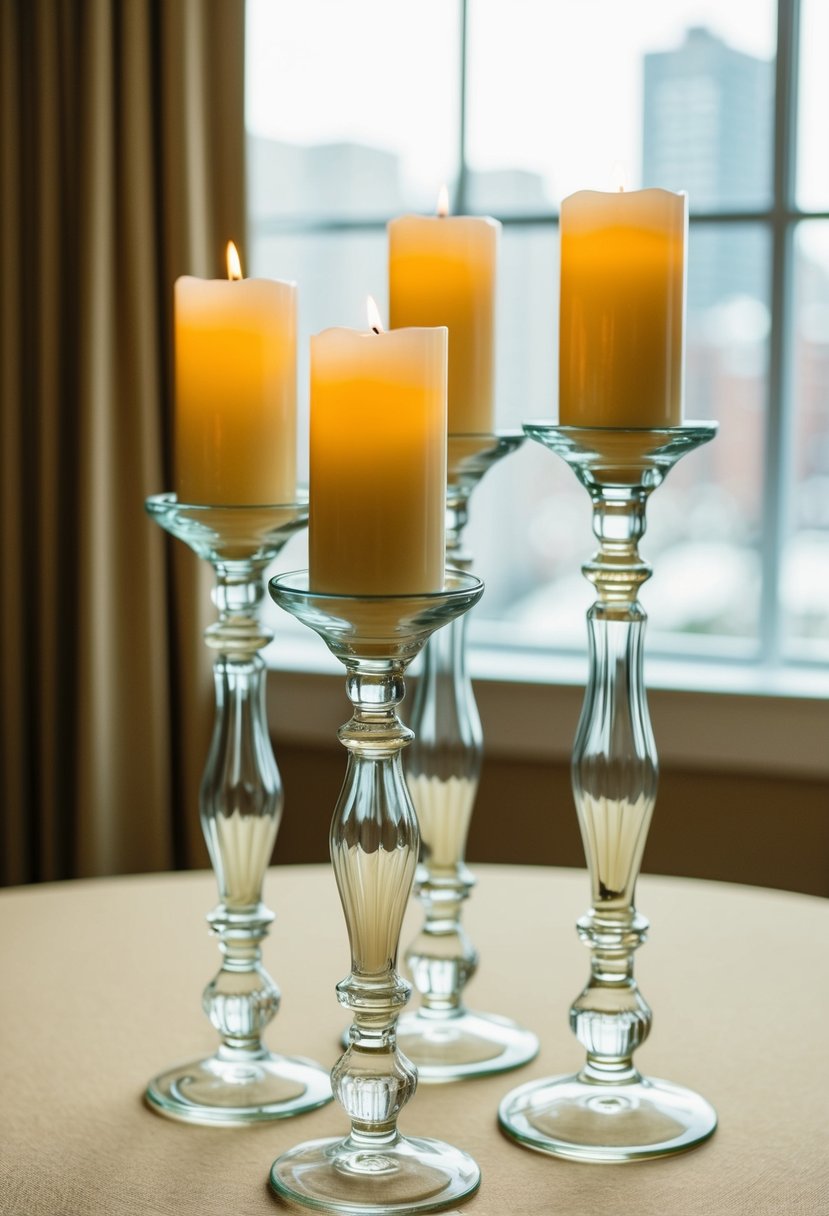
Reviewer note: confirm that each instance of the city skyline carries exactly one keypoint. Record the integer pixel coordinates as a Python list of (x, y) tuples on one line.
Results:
[(564, 107)]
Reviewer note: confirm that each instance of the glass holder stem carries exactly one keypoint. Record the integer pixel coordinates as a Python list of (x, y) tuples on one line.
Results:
[(241, 803), (442, 959), (446, 1040), (614, 778)]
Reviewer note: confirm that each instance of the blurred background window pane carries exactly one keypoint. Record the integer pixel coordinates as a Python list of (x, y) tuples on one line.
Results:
[(530, 520), (680, 94), (352, 109), (813, 108), (364, 123), (805, 577)]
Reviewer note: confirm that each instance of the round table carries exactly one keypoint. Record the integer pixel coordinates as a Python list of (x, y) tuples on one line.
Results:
[(101, 984)]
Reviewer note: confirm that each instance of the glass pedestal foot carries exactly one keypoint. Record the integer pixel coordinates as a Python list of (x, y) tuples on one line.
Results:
[(468, 1044), (402, 1175), (589, 1121), (229, 1092)]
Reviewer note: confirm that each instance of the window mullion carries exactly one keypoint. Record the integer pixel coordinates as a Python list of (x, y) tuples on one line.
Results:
[(779, 421), (461, 201)]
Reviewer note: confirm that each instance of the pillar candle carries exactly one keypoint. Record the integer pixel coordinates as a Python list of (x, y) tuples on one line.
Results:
[(442, 272), (235, 391), (377, 461), (622, 329)]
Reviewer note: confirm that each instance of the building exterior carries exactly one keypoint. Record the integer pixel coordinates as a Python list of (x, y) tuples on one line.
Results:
[(707, 129)]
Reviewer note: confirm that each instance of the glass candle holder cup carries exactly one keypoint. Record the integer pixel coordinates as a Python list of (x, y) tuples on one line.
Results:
[(609, 1112), (241, 805), (374, 847)]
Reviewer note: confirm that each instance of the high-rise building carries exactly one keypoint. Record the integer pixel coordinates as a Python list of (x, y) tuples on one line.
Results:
[(707, 129)]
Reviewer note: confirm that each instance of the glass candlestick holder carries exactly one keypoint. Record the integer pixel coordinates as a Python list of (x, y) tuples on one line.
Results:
[(374, 847), (442, 1037), (609, 1111), (241, 805)]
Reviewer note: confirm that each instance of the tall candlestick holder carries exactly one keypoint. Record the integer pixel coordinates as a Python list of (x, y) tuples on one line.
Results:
[(442, 1037), (241, 806), (374, 847), (609, 1111)]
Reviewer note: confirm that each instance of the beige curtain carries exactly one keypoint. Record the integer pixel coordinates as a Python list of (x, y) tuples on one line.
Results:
[(121, 167)]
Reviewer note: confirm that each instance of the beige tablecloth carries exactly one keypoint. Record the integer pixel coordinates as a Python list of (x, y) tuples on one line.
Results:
[(101, 985)]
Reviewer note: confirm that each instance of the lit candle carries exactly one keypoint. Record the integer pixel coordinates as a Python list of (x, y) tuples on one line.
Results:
[(235, 379), (622, 328), (442, 272), (377, 461)]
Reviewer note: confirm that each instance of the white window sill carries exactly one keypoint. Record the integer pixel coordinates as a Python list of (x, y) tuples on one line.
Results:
[(722, 716)]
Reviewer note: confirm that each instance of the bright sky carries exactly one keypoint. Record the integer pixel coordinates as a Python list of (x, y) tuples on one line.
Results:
[(554, 86)]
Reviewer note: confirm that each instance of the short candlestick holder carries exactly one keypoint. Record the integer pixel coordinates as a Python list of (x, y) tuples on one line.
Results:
[(241, 806), (609, 1111), (374, 846), (442, 1037)]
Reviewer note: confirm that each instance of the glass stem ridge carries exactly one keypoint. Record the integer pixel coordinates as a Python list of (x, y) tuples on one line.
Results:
[(443, 770), (241, 805), (374, 844), (614, 772)]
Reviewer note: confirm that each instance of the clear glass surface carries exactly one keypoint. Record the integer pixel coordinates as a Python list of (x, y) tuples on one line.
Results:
[(352, 110), (241, 806), (374, 847), (608, 1111), (679, 94), (805, 569), (443, 1038)]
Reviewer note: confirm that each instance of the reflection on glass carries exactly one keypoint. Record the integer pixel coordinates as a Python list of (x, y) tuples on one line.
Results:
[(813, 107), (681, 93), (805, 574), (352, 109)]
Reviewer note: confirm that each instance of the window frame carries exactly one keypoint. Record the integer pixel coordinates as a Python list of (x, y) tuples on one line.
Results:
[(768, 667)]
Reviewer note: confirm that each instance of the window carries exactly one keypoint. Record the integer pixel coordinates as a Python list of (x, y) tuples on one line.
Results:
[(359, 112)]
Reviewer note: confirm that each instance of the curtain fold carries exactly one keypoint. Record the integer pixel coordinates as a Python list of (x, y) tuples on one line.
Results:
[(121, 167)]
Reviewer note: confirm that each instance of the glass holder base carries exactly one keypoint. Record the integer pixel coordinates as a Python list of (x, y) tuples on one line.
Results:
[(590, 1121), (233, 1093), (468, 1044), (404, 1175)]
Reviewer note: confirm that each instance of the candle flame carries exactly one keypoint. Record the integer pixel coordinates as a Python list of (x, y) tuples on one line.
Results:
[(443, 202), (619, 177), (234, 266), (374, 322)]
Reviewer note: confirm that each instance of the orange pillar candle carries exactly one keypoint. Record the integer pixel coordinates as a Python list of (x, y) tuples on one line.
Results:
[(622, 314), (235, 389), (442, 271), (377, 461)]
